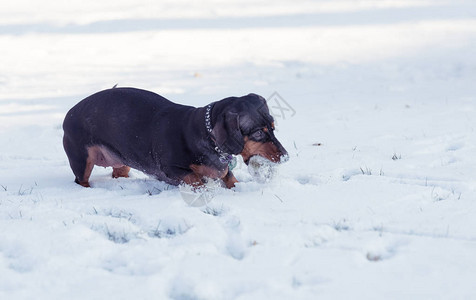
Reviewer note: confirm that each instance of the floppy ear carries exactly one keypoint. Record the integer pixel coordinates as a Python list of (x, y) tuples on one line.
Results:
[(227, 133), (258, 96)]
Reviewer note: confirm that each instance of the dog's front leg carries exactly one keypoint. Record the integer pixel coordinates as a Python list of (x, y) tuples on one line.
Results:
[(229, 180), (193, 179), (200, 171)]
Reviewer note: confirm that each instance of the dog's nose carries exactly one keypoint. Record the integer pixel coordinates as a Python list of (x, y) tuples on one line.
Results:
[(284, 158)]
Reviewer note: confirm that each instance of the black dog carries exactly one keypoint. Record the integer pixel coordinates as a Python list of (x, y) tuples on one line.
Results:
[(127, 127)]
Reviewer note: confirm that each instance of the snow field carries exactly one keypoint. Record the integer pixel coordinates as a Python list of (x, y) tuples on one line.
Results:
[(376, 201)]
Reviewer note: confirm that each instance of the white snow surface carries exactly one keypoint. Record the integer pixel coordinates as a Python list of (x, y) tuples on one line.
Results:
[(377, 201)]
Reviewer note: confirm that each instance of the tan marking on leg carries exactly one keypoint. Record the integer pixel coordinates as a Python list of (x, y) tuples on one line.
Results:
[(193, 180), (82, 183), (206, 171), (229, 180), (87, 173), (102, 156), (121, 172), (201, 171)]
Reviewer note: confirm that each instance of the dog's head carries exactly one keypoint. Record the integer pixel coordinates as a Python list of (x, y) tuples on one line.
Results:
[(244, 126)]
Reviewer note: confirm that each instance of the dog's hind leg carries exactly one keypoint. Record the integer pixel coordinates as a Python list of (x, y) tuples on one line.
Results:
[(79, 160)]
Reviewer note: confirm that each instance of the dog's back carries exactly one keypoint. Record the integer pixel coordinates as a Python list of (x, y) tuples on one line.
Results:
[(119, 127)]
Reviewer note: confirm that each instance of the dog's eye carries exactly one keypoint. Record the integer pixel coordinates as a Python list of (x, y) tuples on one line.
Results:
[(258, 134)]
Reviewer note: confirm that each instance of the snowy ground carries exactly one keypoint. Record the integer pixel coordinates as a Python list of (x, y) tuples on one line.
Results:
[(378, 200)]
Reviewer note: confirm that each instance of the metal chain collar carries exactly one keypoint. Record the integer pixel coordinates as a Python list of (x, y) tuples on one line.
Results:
[(224, 157)]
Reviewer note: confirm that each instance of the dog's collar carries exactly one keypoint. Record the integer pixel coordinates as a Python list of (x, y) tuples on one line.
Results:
[(224, 157), (208, 122)]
